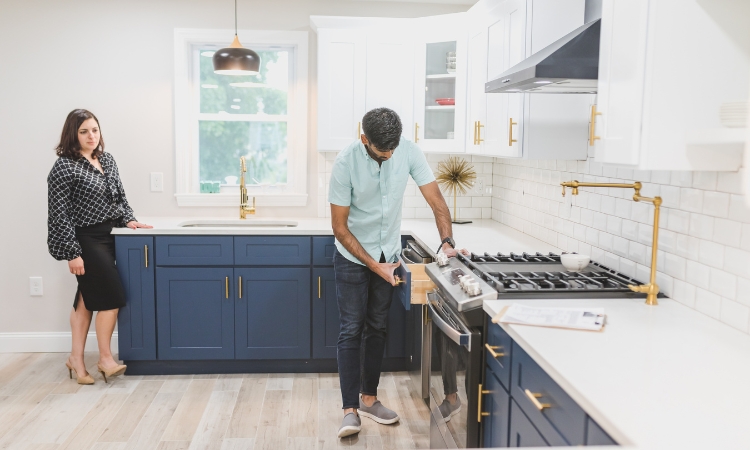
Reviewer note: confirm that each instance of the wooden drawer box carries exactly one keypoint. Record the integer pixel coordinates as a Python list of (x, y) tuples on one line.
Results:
[(499, 342), (194, 251), (557, 417), (272, 250)]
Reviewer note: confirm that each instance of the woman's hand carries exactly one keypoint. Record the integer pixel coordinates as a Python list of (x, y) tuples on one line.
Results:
[(76, 266), (133, 225)]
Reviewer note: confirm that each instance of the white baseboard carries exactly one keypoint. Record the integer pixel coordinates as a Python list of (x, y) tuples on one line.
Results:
[(47, 342)]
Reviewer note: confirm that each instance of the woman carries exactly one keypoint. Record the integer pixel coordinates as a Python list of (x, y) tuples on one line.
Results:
[(86, 200)]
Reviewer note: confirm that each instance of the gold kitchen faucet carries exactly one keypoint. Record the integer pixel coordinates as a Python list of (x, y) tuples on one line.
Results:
[(245, 209), (651, 289)]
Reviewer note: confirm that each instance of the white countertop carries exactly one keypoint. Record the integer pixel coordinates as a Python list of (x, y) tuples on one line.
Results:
[(483, 235), (656, 377)]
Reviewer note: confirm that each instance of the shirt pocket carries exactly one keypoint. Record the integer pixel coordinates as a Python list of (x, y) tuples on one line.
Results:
[(398, 186)]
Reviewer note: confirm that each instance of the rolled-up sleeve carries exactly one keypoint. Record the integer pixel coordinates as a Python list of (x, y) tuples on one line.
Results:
[(340, 185), (419, 170), (61, 237)]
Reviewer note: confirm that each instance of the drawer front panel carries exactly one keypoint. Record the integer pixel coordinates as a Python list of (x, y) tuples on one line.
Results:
[(497, 405), (272, 251), (194, 251), (595, 435), (323, 247), (522, 431), (562, 421), (500, 343), (402, 292)]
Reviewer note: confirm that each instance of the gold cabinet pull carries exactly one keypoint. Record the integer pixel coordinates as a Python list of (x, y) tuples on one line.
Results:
[(592, 126), (481, 413), (145, 254), (475, 132), (510, 133), (416, 132), (226, 288), (399, 280), (359, 129), (240, 280), (533, 397), (479, 132), (492, 351), (318, 287)]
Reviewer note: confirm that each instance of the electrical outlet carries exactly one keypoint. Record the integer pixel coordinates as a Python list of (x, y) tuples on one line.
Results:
[(36, 288), (157, 182), (479, 185)]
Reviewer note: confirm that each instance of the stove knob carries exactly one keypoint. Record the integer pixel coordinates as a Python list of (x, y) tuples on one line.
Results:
[(441, 259), (473, 289)]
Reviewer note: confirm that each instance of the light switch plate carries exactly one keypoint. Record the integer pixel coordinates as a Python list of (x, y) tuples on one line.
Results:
[(36, 288), (157, 182)]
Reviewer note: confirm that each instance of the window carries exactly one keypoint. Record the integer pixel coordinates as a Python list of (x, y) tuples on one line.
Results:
[(219, 118)]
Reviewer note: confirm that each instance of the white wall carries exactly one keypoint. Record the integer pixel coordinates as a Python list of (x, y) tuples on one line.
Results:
[(116, 59)]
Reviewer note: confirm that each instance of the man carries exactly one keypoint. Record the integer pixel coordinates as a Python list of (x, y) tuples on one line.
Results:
[(367, 187)]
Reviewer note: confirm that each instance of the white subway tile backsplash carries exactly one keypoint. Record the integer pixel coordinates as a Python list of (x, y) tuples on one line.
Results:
[(622, 208), (730, 182), (698, 274), (670, 195), (735, 314), (723, 283), (674, 266), (627, 267), (701, 226), (737, 261), (691, 199), (607, 205), (743, 291), (620, 246), (716, 204), (705, 180), (682, 178), (587, 217), (661, 176), (629, 230), (684, 293), (637, 252), (612, 261), (727, 232), (738, 209), (600, 221), (745, 239), (708, 303), (711, 254)]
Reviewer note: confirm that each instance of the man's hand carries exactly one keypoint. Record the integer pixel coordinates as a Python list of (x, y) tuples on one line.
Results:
[(385, 270), (450, 252)]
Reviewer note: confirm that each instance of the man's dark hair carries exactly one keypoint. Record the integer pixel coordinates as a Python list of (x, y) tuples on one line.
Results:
[(382, 127)]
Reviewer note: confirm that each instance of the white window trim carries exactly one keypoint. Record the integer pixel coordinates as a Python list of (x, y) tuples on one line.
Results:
[(186, 151)]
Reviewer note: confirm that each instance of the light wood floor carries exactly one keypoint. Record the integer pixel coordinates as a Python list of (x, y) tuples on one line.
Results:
[(42, 409)]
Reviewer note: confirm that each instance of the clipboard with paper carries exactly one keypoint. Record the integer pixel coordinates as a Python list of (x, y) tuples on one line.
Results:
[(589, 319)]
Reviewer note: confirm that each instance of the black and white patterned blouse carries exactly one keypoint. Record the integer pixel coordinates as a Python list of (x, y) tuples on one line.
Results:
[(80, 195)]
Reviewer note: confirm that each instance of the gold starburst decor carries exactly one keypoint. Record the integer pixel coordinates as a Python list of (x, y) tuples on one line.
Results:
[(457, 175)]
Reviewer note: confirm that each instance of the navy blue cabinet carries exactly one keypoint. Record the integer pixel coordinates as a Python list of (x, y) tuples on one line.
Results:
[(325, 310), (195, 312), (395, 344), (272, 319), (137, 320), (595, 435), (402, 293), (496, 403), (522, 431), (323, 248), (272, 250), (194, 250)]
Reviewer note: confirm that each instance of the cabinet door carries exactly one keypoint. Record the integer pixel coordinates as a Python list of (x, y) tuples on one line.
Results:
[(402, 292), (137, 319), (622, 57), (476, 99), (495, 130), (497, 404), (342, 68), (395, 345), (515, 20), (440, 128), (390, 65), (195, 313), (522, 431), (272, 318), (325, 314)]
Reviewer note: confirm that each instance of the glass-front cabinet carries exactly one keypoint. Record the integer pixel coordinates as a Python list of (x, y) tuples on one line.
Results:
[(440, 85)]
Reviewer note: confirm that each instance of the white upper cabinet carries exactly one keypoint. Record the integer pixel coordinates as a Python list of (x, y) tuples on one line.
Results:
[(440, 84), (361, 68), (549, 126), (665, 68)]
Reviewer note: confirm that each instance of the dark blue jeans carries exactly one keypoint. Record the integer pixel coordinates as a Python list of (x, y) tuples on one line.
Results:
[(364, 299)]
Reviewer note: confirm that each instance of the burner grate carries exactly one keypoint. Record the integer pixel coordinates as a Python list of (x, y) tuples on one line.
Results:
[(549, 281), (512, 257)]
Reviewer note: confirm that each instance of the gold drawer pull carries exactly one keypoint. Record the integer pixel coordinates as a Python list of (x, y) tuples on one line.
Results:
[(492, 349), (359, 130), (510, 133), (416, 132), (240, 279), (533, 397), (226, 287), (592, 126), (399, 280), (481, 413), (318, 287), (479, 133), (145, 253)]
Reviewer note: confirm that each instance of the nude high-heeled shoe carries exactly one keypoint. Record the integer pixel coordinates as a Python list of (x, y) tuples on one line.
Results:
[(113, 372), (88, 379)]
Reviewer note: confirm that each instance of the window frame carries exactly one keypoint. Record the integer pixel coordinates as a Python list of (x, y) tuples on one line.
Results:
[(186, 115)]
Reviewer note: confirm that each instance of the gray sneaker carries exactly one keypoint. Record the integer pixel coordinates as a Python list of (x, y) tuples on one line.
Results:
[(378, 412), (447, 410), (351, 424)]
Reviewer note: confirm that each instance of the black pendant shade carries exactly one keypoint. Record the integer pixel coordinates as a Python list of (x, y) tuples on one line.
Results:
[(236, 60)]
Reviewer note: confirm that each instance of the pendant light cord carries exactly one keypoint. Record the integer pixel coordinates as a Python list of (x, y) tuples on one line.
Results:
[(235, 17)]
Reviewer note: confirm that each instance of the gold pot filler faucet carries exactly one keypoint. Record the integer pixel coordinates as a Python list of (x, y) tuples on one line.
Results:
[(651, 289), (244, 208)]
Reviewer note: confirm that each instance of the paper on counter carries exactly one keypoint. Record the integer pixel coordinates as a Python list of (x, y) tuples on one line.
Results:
[(576, 318)]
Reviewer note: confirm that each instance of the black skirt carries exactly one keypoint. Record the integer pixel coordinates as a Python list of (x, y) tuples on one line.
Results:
[(100, 284)]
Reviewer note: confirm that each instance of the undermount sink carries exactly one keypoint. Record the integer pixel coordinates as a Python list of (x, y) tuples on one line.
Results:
[(238, 223)]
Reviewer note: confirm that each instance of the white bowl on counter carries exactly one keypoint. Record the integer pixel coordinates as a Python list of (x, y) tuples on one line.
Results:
[(574, 262)]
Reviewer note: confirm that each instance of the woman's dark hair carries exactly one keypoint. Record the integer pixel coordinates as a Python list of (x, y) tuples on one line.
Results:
[(382, 127), (69, 145)]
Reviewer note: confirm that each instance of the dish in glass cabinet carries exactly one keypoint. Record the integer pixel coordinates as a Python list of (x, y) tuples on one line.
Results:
[(445, 101)]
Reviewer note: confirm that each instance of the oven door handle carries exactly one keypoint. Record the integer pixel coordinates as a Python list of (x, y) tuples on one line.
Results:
[(456, 336)]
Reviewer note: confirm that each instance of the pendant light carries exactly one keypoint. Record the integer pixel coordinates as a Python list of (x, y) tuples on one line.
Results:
[(236, 59)]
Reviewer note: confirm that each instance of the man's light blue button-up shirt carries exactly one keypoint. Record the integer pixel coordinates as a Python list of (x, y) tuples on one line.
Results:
[(375, 194)]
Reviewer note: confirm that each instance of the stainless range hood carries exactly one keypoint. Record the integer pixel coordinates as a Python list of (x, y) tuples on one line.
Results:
[(570, 65)]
